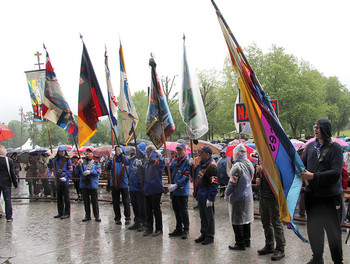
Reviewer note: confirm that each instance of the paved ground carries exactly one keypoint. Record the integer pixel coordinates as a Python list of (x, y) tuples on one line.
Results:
[(36, 237)]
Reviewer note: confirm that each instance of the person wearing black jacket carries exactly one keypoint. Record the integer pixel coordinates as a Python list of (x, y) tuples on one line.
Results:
[(323, 160), (7, 176)]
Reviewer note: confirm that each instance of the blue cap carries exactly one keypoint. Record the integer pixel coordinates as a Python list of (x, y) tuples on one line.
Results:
[(181, 146), (207, 150)]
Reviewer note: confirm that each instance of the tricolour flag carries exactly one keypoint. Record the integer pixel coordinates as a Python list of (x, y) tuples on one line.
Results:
[(91, 104), (36, 85), (191, 104), (127, 109), (158, 111), (55, 107), (112, 99), (279, 158)]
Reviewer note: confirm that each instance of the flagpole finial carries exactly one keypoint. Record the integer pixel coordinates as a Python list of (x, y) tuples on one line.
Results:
[(152, 63), (81, 37), (184, 37), (44, 46)]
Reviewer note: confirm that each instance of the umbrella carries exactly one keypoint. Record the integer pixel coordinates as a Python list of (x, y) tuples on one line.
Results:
[(230, 148), (202, 143), (5, 133), (23, 157), (236, 141), (129, 150), (340, 141), (139, 140), (103, 151), (297, 143), (172, 146)]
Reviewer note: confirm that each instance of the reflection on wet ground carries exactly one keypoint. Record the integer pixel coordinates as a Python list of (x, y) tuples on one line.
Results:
[(36, 237)]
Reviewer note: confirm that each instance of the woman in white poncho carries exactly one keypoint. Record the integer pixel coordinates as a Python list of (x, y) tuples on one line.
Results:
[(240, 197)]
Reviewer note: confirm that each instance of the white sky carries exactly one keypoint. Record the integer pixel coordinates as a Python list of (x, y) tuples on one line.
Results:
[(313, 30)]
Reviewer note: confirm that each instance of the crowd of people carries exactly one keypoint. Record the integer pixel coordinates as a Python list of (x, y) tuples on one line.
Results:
[(138, 180)]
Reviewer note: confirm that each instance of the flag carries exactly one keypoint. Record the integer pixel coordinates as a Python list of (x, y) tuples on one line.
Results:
[(245, 127), (279, 158), (112, 99), (36, 85), (91, 104), (130, 119), (191, 105), (55, 107), (157, 112)]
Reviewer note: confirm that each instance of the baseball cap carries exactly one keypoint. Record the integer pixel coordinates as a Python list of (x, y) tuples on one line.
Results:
[(181, 146), (90, 149), (206, 149)]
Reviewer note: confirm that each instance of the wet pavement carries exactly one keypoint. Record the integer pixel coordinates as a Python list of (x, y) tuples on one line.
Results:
[(35, 236)]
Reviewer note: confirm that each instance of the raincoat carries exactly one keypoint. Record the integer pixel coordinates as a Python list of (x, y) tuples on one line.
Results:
[(239, 193), (153, 182), (123, 179)]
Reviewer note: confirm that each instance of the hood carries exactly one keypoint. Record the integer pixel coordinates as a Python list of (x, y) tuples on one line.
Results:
[(62, 148), (122, 147), (239, 151), (325, 128), (142, 148)]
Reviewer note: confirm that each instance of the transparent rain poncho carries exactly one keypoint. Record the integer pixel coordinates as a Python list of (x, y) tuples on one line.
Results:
[(239, 190)]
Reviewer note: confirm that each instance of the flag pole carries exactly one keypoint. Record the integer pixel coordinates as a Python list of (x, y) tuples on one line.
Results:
[(155, 81), (53, 162), (137, 156), (192, 166)]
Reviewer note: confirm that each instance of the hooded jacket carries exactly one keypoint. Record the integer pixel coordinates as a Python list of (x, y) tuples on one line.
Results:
[(67, 167), (180, 175), (122, 180), (134, 175), (327, 177), (153, 182), (95, 172)]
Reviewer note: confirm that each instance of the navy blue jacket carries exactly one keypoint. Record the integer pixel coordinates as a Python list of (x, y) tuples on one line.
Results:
[(180, 175), (207, 187), (153, 182), (121, 179)]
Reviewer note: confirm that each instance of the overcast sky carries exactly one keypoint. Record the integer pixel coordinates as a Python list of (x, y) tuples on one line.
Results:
[(314, 30)]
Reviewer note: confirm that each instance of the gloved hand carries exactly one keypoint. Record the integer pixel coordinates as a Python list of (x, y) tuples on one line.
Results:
[(87, 172), (166, 161), (191, 161), (63, 179), (209, 203), (172, 187), (102, 159), (112, 154), (119, 151), (138, 162), (159, 153), (80, 161), (52, 156)]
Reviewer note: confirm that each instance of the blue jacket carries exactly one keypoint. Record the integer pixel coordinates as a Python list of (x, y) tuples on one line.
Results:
[(122, 180), (222, 171), (92, 177), (134, 175), (66, 170), (207, 187), (180, 175), (153, 182)]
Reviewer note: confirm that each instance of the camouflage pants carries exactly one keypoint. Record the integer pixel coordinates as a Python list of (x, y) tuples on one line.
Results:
[(273, 226)]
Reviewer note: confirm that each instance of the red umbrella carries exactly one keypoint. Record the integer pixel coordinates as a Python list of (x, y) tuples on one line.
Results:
[(103, 151), (338, 140), (230, 148), (5, 133), (172, 146)]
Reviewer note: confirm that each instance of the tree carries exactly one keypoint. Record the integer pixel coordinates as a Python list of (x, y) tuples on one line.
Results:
[(140, 100)]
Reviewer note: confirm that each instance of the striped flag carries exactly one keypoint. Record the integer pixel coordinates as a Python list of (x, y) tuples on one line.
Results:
[(55, 106), (130, 119), (91, 104), (279, 158)]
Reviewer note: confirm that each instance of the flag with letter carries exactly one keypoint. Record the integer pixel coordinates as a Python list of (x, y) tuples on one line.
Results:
[(36, 85), (55, 107), (279, 158), (112, 99), (191, 104), (158, 112), (91, 104), (130, 119)]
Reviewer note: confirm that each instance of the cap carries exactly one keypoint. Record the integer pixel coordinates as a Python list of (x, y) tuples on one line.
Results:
[(75, 157), (181, 146), (90, 149), (206, 149)]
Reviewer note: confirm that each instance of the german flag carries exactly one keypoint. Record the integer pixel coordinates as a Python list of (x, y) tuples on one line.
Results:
[(91, 104)]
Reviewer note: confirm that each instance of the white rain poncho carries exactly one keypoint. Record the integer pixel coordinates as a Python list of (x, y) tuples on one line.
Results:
[(239, 190)]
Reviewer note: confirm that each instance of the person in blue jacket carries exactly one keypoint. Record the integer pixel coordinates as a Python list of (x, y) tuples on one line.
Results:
[(180, 188), (153, 189), (205, 190), (62, 166), (135, 187), (89, 171), (118, 165)]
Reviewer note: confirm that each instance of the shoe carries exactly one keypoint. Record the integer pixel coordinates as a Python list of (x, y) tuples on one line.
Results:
[(127, 222), (175, 233), (247, 243), (208, 240), (316, 261), (277, 255), (236, 247), (184, 234), (65, 216), (86, 219), (142, 228), (147, 232), (134, 226), (118, 222), (0, 215), (97, 219), (157, 233), (9, 220), (200, 239), (57, 216), (266, 250)]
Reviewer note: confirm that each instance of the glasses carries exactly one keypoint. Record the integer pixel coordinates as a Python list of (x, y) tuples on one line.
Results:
[(316, 127)]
